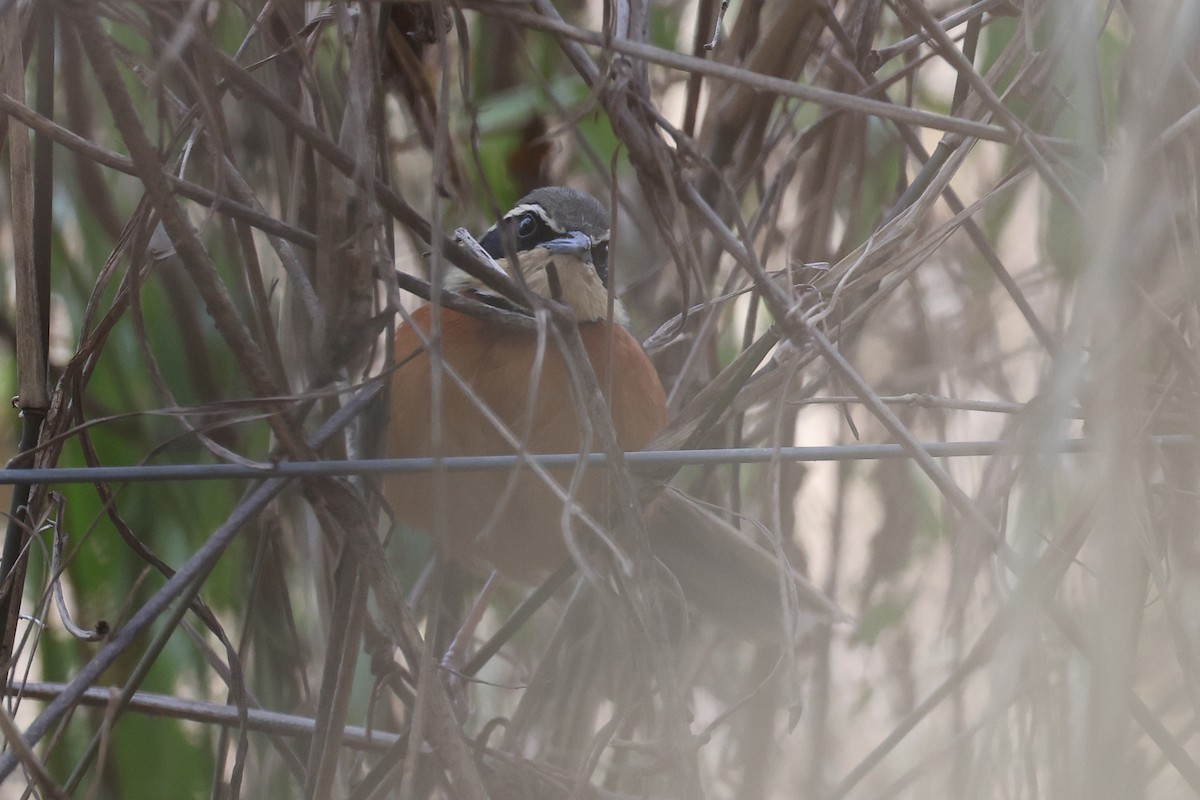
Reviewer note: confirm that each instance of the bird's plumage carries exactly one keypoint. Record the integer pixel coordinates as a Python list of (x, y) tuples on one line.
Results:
[(525, 538), (512, 521), (561, 238)]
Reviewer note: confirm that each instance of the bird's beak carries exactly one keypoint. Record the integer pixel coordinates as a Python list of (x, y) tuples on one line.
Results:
[(574, 243)]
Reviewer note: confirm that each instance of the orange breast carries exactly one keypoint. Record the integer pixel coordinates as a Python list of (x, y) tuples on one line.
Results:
[(509, 520)]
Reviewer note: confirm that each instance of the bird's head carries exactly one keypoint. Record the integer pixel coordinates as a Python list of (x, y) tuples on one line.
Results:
[(559, 236)]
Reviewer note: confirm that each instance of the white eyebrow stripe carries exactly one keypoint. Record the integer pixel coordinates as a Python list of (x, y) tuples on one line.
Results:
[(541, 212), (536, 209)]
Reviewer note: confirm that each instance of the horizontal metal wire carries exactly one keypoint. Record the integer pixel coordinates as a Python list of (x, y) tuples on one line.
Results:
[(677, 458)]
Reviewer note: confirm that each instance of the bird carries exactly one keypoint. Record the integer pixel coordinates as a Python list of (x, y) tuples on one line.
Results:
[(555, 240), (512, 522)]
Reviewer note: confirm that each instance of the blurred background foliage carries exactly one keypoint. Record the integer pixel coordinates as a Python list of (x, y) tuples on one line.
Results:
[(1064, 301)]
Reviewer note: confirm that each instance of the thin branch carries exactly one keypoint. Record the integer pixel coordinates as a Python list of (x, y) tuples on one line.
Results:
[(764, 83), (168, 706)]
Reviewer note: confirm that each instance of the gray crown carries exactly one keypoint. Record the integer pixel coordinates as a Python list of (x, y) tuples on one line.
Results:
[(569, 210)]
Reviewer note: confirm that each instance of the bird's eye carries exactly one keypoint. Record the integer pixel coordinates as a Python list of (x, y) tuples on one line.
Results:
[(527, 226)]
